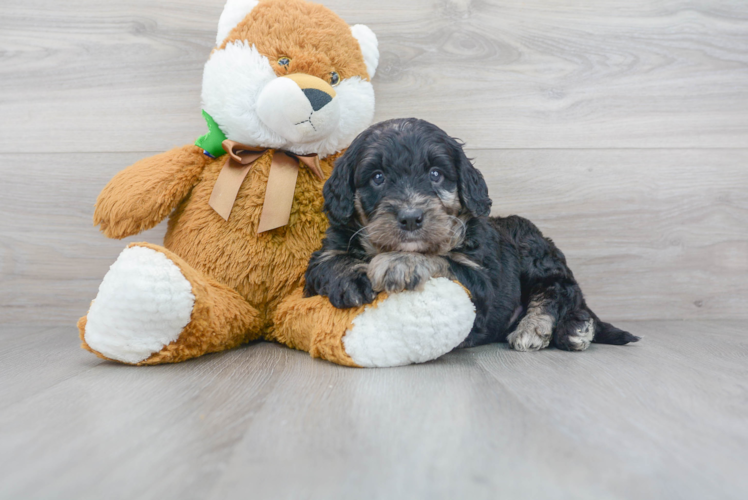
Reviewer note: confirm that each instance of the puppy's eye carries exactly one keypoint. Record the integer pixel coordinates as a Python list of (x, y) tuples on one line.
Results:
[(436, 175), (334, 78), (377, 178), (284, 62)]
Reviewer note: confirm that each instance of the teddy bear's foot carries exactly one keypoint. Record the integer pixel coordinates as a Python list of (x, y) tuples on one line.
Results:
[(143, 304), (397, 329), (153, 308), (411, 327)]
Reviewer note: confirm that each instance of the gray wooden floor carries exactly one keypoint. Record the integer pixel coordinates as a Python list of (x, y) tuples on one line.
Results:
[(619, 126), (667, 418)]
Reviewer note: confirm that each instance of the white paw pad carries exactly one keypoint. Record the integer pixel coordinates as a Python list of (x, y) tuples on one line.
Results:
[(143, 304), (411, 327)]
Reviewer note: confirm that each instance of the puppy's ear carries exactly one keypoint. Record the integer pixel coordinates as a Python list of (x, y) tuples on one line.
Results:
[(339, 190), (472, 186)]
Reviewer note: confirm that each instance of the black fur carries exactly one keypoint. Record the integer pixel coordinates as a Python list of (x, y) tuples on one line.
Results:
[(339, 187), (505, 263), (473, 189)]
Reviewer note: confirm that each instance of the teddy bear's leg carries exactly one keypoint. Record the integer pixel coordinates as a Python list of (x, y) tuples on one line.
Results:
[(154, 308), (396, 330)]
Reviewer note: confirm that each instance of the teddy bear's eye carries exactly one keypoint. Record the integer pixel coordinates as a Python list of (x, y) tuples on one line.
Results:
[(334, 78), (284, 62)]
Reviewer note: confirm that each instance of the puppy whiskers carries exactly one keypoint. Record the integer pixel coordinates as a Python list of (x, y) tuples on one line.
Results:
[(457, 232), (464, 227), (354, 235)]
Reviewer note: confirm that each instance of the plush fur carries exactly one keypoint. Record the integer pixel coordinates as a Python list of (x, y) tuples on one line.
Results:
[(228, 283), (115, 331), (233, 13), (242, 80), (406, 205)]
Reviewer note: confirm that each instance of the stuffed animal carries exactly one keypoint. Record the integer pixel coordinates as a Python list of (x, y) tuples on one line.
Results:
[(285, 91)]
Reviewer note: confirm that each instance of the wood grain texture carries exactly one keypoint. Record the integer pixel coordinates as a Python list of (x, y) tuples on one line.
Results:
[(52, 259), (649, 234), (618, 127), (112, 75), (661, 419)]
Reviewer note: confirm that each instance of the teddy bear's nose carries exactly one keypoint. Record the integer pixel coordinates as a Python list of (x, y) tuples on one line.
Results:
[(317, 98), (317, 91)]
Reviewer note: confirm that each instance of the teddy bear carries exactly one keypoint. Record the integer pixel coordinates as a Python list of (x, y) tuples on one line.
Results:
[(285, 91)]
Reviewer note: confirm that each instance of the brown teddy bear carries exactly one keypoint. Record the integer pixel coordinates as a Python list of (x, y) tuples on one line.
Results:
[(285, 91)]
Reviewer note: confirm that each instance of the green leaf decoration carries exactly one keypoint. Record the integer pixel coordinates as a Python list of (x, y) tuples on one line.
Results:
[(212, 142)]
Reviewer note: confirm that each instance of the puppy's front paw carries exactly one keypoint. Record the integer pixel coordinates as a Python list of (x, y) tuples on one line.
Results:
[(398, 271), (351, 291)]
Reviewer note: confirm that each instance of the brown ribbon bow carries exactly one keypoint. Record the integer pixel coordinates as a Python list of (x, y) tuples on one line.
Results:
[(276, 209)]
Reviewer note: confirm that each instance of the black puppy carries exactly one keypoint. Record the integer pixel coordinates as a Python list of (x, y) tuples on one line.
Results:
[(405, 204)]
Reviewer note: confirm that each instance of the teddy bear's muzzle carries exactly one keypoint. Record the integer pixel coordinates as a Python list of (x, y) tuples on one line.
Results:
[(300, 108)]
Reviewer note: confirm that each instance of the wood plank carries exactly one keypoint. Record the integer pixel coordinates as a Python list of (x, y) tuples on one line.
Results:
[(636, 422), (126, 75), (660, 419), (649, 235), (618, 127), (52, 259), (664, 405), (31, 360), (125, 432), (665, 429)]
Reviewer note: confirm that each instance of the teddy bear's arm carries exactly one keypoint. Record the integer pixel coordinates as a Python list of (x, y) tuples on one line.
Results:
[(143, 194)]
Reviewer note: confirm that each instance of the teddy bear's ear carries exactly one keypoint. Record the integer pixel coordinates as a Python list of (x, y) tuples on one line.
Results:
[(234, 12), (369, 46)]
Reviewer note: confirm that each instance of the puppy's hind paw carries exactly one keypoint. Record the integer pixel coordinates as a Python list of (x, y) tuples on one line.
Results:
[(533, 332), (575, 335)]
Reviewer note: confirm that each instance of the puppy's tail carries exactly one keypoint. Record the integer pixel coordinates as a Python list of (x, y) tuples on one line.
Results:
[(605, 333)]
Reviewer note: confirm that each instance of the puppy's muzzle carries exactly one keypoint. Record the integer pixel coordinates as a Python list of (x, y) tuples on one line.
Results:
[(410, 219)]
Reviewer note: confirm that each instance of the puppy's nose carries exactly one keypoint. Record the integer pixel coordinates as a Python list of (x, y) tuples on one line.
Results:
[(410, 219)]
